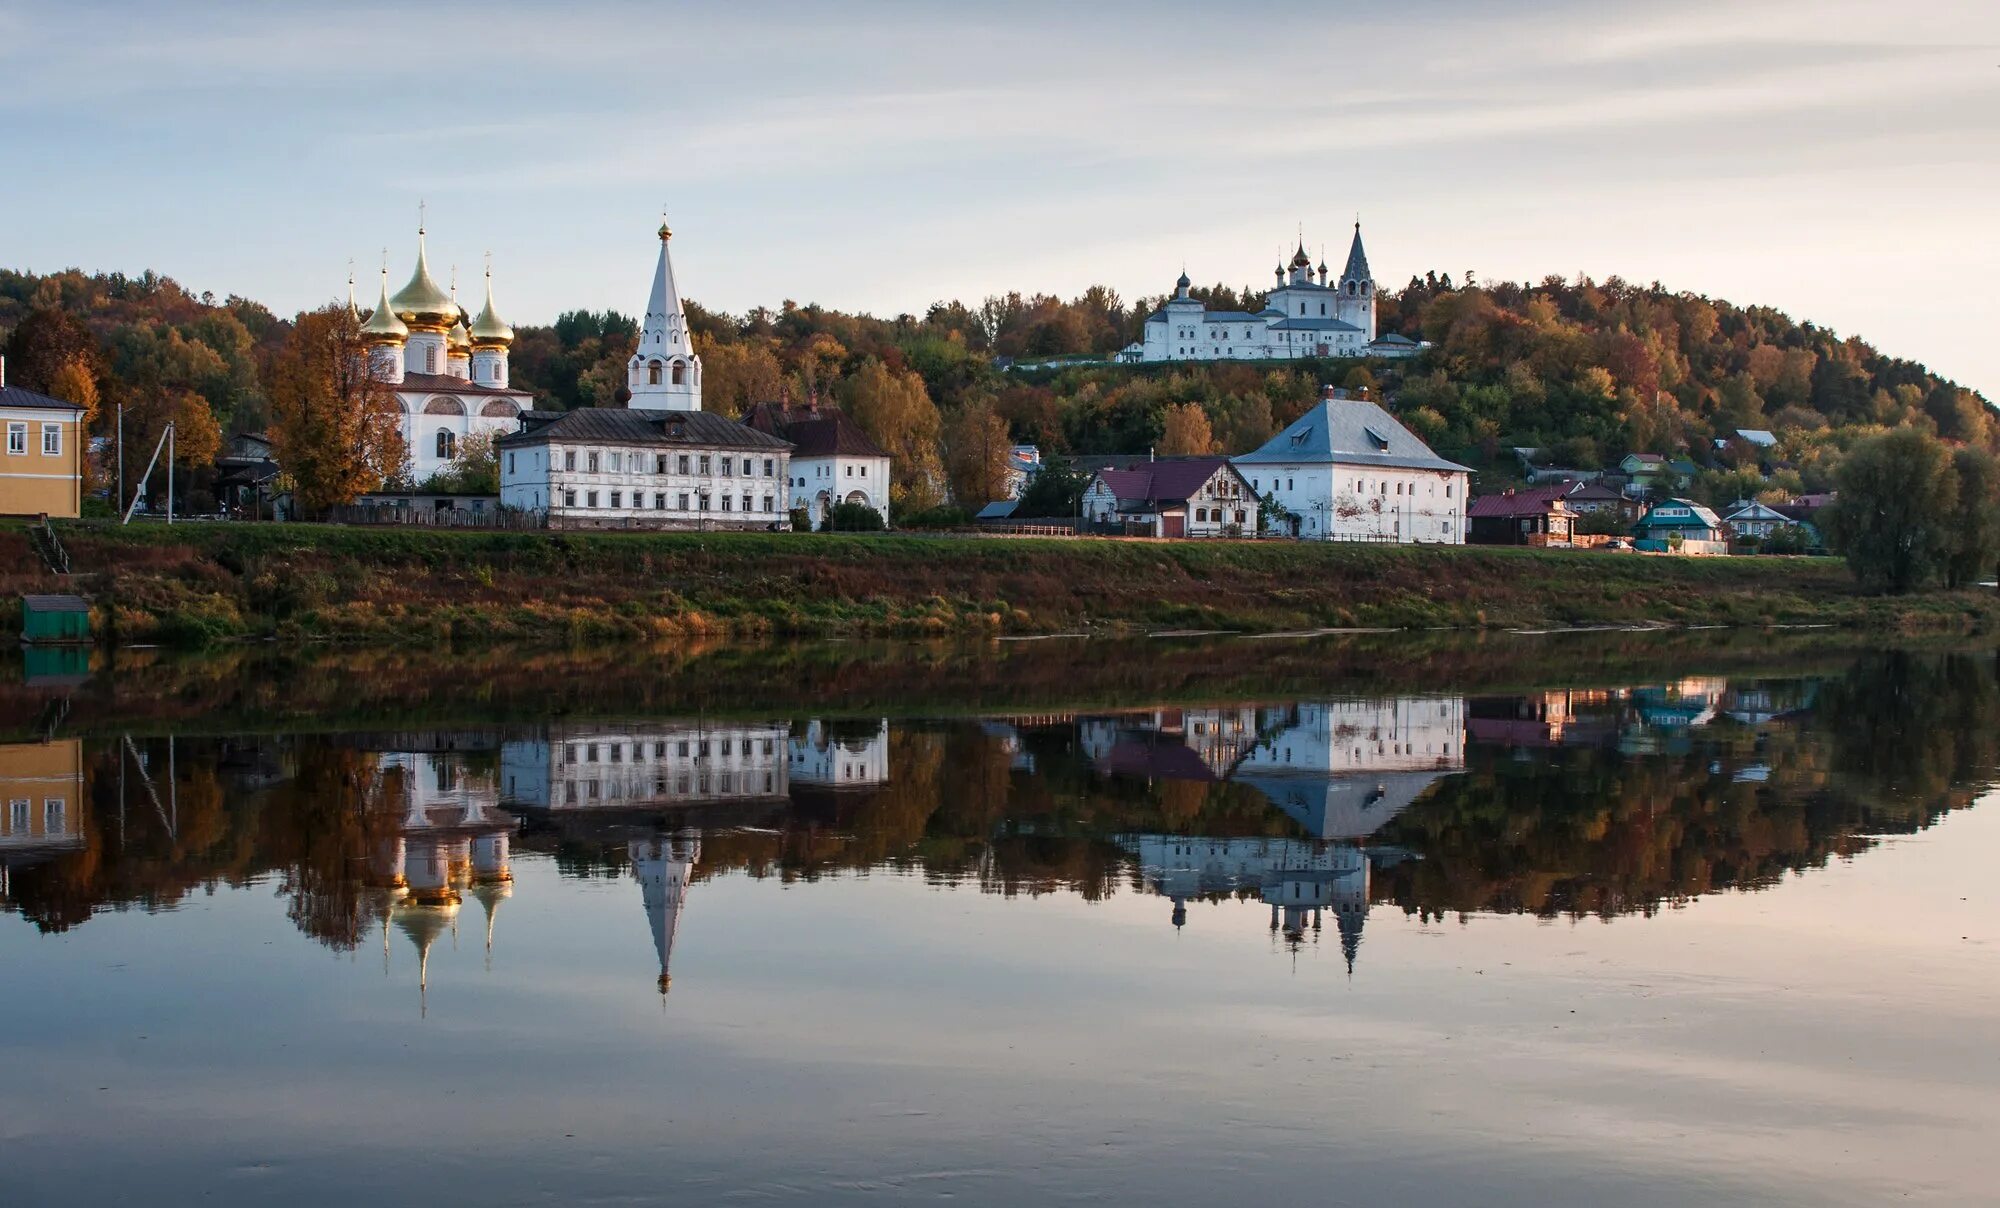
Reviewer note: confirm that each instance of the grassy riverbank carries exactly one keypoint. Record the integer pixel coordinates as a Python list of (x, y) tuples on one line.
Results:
[(205, 582)]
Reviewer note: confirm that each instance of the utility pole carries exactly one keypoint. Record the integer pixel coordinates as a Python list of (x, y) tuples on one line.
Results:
[(120, 495), (170, 477)]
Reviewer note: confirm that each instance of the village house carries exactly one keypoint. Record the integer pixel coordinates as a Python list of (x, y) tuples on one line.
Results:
[(41, 472), (1348, 471), (1181, 497), (1681, 526), (1746, 518), (1532, 516), (833, 460)]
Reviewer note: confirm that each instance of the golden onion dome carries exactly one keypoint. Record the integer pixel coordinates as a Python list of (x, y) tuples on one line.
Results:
[(459, 341), (422, 303), (383, 327), (489, 330)]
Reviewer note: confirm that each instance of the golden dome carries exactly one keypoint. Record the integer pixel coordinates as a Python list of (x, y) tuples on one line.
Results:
[(421, 303), (459, 341), (489, 330), (383, 327)]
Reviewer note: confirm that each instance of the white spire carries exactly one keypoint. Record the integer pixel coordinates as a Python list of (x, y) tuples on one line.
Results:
[(663, 866), (665, 374)]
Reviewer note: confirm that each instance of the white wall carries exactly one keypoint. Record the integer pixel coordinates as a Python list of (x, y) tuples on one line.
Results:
[(543, 477), (838, 479), (1354, 503)]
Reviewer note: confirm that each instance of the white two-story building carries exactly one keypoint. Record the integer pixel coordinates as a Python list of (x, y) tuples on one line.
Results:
[(1347, 471), (833, 460)]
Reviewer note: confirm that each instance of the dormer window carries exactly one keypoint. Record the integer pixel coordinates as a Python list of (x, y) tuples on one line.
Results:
[(1380, 441)]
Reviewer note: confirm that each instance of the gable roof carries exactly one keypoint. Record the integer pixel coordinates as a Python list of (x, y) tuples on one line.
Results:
[(1164, 481), (1754, 511), (1530, 502), (626, 426), (1757, 436), (1695, 515), (1645, 459), (814, 431), (1592, 490), (1349, 431)]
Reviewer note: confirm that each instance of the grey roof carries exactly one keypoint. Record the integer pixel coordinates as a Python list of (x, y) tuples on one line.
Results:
[(15, 396), (1227, 316), (1395, 337), (999, 509), (1357, 260), (1314, 324), (1757, 436), (625, 426), (1350, 432)]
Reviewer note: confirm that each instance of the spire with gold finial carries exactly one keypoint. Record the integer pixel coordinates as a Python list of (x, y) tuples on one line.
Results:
[(383, 326)]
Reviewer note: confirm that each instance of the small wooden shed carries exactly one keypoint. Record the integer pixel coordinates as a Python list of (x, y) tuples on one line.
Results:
[(55, 619)]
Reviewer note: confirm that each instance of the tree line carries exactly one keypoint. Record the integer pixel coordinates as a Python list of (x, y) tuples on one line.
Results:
[(1584, 371)]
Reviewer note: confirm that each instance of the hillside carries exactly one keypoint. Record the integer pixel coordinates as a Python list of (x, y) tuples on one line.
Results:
[(1585, 370)]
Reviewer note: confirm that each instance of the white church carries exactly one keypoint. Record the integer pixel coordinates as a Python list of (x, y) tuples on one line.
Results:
[(659, 461), (1305, 315), (448, 369)]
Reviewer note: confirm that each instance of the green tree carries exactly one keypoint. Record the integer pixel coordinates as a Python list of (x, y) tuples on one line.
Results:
[(1056, 490), (1896, 510), (1975, 538)]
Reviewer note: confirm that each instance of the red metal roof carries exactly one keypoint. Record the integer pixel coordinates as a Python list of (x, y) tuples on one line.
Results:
[(1164, 481), (1533, 501), (823, 431)]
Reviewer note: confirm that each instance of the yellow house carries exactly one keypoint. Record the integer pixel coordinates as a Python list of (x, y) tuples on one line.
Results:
[(41, 795), (41, 463)]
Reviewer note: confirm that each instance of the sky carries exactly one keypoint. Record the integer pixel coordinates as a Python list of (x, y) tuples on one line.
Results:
[(1839, 160)]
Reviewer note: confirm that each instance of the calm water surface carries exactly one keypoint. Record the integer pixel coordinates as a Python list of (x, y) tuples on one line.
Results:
[(1617, 935)]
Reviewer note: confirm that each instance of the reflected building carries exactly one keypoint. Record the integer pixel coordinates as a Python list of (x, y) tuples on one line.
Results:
[(664, 864), (1341, 769), (450, 839), (1301, 880), (1544, 720), (642, 767), (41, 802), (833, 755)]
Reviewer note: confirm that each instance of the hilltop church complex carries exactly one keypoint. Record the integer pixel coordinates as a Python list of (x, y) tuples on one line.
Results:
[(1305, 315)]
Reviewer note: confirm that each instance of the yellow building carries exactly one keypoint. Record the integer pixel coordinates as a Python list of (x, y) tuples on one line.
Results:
[(41, 796), (41, 463)]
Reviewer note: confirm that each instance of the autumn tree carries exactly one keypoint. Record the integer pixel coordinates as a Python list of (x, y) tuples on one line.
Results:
[(895, 410), (976, 450), (1187, 432), (473, 470), (335, 428), (43, 344), (1975, 537), (736, 377)]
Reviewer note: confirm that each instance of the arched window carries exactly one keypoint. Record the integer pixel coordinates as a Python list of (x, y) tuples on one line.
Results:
[(431, 359), (653, 374), (680, 373), (447, 445)]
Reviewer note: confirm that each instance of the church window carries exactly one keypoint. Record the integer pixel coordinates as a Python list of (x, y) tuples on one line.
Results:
[(680, 373), (510, 463), (431, 359), (447, 445), (653, 374)]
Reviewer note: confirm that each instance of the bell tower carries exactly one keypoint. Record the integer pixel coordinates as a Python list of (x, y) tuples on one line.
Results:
[(664, 374)]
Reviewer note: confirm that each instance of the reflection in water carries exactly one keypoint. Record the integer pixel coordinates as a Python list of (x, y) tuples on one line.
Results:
[(999, 1010), (1582, 800)]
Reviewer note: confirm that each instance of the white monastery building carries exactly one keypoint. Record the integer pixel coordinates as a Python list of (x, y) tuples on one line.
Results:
[(833, 460), (647, 767), (658, 462), (1347, 471), (448, 371), (1305, 315)]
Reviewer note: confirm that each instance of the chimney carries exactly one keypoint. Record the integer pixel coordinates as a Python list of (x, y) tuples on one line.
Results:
[(1328, 392)]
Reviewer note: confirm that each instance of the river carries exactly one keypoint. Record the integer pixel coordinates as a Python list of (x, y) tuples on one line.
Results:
[(1353, 919)]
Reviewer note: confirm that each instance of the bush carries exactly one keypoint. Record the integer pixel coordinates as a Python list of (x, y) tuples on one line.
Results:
[(802, 521), (942, 517), (853, 518)]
